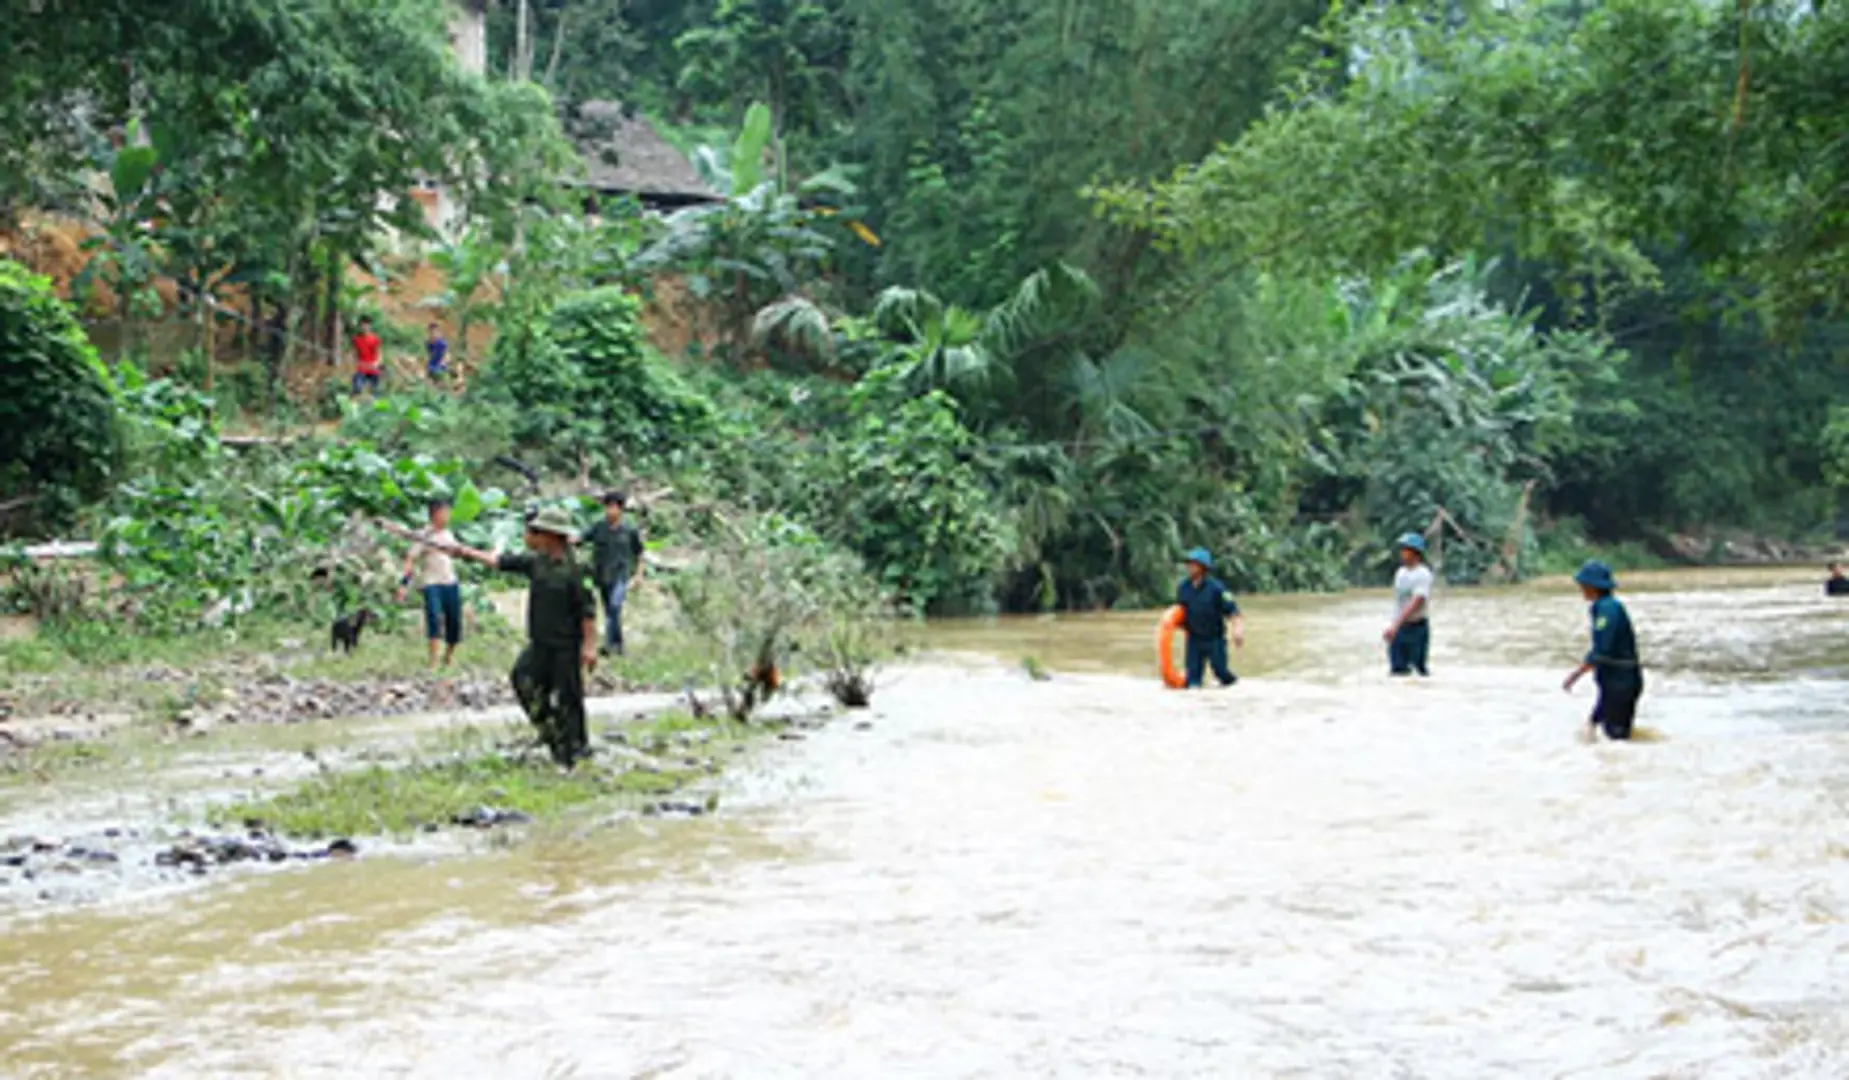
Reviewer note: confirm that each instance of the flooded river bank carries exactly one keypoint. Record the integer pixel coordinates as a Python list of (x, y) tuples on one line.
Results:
[(1316, 874)]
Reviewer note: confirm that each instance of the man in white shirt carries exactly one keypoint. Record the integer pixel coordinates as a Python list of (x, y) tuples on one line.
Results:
[(436, 579), (1409, 635)]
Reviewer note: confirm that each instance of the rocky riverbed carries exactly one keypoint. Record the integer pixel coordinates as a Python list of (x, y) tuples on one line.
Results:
[(201, 702), (121, 827)]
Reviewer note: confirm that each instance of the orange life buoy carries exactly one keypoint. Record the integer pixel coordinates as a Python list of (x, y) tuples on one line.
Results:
[(1165, 647)]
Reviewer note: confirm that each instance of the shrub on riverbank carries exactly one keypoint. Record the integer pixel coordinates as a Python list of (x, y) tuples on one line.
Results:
[(59, 441)]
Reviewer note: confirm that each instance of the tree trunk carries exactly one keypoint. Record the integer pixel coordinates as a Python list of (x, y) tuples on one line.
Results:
[(204, 316), (558, 49), (523, 50)]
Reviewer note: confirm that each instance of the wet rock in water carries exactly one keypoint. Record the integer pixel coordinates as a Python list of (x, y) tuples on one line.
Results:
[(46, 843), (487, 817), (180, 855), (342, 848), (864, 725), (17, 858), (232, 850), (791, 736), (112, 832)]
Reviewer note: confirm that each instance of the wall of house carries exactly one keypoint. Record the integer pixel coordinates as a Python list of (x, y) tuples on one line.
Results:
[(468, 35)]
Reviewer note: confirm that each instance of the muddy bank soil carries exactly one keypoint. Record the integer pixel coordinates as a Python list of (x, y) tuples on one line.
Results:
[(201, 701)]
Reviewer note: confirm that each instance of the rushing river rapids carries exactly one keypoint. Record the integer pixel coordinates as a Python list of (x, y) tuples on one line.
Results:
[(1316, 874)]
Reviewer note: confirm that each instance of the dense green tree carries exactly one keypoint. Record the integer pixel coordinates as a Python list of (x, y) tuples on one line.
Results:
[(281, 138), (1673, 172), (59, 441), (785, 53)]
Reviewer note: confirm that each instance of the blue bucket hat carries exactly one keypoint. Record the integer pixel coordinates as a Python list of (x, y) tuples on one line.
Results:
[(1414, 542), (1596, 575), (1200, 555)]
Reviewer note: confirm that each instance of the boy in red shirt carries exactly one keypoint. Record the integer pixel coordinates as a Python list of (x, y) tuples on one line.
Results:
[(366, 348)]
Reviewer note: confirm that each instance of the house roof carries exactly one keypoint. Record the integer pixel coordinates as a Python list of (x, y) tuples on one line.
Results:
[(623, 153)]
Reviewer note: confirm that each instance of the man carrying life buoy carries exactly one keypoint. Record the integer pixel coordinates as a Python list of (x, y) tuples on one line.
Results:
[(1208, 605)]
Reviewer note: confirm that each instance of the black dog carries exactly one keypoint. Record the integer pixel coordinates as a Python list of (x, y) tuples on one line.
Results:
[(347, 629)]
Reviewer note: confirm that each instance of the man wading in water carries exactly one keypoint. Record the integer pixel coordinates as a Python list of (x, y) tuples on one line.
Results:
[(1208, 605), (1613, 656), (561, 630), (1409, 635)]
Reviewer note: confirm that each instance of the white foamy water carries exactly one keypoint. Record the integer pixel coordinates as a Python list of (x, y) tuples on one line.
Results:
[(1317, 874)]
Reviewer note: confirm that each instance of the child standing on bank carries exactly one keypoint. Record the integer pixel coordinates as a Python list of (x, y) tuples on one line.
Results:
[(1613, 658), (1409, 635), (436, 581), (436, 353), (1208, 605), (366, 364)]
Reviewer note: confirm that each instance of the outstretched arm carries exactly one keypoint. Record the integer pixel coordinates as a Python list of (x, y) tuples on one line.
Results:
[(454, 551), (458, 551)]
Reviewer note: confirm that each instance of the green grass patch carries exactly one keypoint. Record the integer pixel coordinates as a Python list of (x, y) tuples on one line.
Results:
[(30, 656), (480, 769), (48, 761)]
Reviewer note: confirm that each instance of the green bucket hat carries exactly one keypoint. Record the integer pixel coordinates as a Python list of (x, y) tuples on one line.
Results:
[(1596, 575), (555, 520)]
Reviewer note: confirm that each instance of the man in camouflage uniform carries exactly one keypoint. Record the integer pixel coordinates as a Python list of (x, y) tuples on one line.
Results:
[(561, 630)]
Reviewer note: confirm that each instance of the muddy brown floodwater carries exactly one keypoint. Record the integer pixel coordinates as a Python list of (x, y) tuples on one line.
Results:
[(1317, 874)]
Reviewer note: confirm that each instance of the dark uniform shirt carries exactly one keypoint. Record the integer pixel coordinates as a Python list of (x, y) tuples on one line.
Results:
[(1614, 645), (1208, 605), (557, 602), (1836, 586), (614, 551)]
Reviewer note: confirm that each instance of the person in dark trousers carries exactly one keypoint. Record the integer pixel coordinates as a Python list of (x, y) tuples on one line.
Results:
[(367, 368), (1208, 605), (1409, 635), (436, 353), (436, 582), (1836, 584), (616, 565), (561, 628), (1613, 657)]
